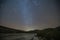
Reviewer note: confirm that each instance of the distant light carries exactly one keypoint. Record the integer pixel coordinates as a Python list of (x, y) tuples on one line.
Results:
[(29, 29)]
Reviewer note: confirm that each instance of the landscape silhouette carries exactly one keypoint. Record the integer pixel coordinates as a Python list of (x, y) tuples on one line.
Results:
[(14, 34)]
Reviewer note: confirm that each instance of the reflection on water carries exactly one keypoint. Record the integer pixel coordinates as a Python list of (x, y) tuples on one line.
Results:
[(19, 36)]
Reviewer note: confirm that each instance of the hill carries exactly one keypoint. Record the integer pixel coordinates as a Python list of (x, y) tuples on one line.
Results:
[(4, 29)]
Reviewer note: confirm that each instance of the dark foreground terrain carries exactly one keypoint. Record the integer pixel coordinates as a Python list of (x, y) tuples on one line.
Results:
[(13, 34)]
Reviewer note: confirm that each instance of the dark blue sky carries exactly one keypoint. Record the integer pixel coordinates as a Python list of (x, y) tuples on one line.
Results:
[(30, 14)]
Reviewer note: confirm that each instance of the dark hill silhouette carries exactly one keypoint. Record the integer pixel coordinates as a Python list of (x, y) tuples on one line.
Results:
[(4, 29), (50, 33), (58, 28)]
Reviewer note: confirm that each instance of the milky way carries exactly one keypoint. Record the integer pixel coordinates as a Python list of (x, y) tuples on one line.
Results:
[(30, 14)]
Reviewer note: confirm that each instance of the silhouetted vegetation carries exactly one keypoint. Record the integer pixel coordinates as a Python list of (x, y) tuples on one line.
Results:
[(49, 34)]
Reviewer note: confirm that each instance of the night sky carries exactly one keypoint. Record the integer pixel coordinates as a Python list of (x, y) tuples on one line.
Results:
[(30, 14)]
